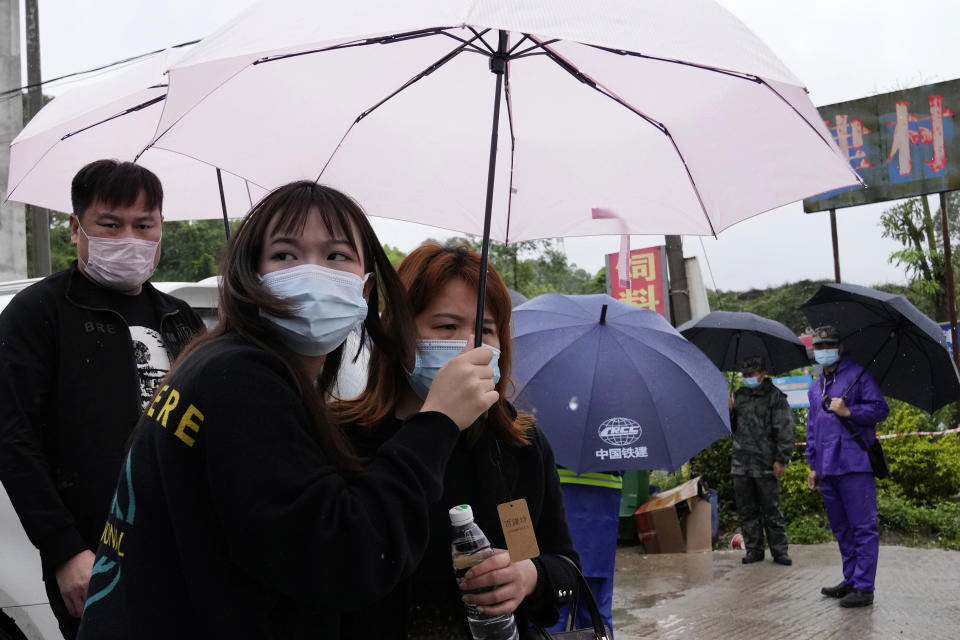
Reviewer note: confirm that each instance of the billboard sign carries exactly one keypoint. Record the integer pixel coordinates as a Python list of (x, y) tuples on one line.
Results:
[(648, 279), (796, 388), (904, 143)]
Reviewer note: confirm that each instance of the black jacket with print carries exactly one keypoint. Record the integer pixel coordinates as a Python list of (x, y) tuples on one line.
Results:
[(69, 398)]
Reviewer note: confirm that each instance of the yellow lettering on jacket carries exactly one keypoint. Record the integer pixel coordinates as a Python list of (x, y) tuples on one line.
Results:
[(112, 538), (156, 399), (168, 406), (187, 422)]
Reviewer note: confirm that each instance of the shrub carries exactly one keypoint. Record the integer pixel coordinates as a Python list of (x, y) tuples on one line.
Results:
[(713, 465), (926, 469), (809, 529), (796, 500)]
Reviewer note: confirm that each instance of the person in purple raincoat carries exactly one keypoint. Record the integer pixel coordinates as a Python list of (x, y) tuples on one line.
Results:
[(840, 468)]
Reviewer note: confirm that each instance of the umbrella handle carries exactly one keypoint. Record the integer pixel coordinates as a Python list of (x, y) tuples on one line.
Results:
[(872, 360)]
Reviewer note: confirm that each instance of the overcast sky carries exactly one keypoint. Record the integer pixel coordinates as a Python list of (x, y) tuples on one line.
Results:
[(841, 49)]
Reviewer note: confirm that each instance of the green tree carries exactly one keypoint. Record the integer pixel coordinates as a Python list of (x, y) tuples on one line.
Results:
[(537, 266), (191, 250), (395, 255), (917, 226)]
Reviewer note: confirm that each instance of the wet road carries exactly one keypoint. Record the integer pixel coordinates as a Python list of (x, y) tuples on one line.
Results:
[(712, 596)]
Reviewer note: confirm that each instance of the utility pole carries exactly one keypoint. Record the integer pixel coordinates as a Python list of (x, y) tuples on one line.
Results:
[(679, 291), (39, 216), (13, 242), (836, 245)]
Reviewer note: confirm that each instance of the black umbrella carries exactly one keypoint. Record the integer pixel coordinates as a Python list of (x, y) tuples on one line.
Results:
[(727, 337), (903, 349)]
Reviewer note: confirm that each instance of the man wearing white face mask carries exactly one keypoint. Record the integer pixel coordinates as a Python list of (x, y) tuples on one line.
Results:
[(81, 353), (763, 434)]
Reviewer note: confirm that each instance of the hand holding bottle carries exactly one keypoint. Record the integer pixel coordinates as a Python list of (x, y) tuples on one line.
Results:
[(502, 584)]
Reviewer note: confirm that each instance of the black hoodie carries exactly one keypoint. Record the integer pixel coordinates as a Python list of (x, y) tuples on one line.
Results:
[(230, 521)]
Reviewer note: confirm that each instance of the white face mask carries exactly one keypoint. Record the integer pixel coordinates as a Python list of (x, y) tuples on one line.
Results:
[(330, 305), (432, 355), (119, 263)]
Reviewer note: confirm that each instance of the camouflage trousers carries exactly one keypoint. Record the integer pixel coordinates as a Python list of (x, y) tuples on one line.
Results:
[(758, 509)]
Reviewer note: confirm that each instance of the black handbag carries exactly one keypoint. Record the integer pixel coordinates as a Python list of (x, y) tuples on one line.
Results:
[(598, 631), (878, 457)]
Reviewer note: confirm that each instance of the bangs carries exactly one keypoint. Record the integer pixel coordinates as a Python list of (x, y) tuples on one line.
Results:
[(293, 208)]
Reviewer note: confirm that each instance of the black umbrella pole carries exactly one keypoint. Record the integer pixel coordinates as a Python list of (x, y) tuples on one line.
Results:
[(223, 204), (498, 64)]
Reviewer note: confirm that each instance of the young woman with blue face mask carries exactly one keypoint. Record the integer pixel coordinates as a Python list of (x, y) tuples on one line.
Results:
[(501, 458), (241, 511)]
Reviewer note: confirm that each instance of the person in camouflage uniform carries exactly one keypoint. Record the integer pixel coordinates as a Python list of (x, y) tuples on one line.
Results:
[(763, 434)]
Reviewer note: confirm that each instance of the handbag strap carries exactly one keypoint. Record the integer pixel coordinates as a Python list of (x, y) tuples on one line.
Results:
[(853, 433), (584, 594), (844, 421)]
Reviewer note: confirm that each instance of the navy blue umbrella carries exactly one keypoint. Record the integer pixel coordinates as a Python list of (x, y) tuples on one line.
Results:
[(614, 386), (727, 337), (903, 349)]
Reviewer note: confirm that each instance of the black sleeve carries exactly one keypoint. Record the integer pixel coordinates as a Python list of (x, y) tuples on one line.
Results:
[(556, 579), (295, 522), (28, 365)]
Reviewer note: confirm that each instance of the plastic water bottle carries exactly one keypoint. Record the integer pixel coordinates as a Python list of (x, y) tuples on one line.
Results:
[(470, 547)]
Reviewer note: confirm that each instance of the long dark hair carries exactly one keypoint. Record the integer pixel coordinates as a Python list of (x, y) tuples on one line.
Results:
[(423, 274), (242, 296)]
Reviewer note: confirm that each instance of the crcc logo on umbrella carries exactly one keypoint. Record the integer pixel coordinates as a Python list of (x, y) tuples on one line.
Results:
[(620, 432)]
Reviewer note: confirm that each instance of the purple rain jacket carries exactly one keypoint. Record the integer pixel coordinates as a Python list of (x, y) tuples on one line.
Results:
[(831, 451)]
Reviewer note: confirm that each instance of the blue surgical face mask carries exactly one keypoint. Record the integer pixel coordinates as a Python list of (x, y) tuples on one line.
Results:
[(826, 357), (751, 383), (329, 303), (432, 355)]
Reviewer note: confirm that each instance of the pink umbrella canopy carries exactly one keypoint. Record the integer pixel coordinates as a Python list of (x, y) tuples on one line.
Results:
[(673, 115), (116, 117)]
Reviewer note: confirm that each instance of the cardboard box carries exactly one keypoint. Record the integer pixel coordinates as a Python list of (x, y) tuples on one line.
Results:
[(676, 520)]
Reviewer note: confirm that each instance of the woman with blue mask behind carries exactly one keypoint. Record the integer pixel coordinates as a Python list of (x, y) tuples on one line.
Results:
[(241, 510), (501, 458)]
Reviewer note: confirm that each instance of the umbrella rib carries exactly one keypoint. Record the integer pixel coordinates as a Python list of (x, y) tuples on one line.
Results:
[(570, 68), (633, 54), (829, 143), (513, 145), (40, 159), (430, 69), (480, 37), (134, 109), (391, 39)]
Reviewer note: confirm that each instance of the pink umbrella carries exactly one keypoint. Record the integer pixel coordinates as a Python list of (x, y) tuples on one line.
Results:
[(671, 114), (116, 117)]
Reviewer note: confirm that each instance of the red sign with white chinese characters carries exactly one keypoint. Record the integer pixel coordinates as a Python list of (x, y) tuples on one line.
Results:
[(648, 279)]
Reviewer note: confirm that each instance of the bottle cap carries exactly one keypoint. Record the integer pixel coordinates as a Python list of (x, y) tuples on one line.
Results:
[(461, 514)]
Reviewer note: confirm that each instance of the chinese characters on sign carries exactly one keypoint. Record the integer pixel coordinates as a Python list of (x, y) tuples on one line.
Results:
[(648, 281), (902, 144)]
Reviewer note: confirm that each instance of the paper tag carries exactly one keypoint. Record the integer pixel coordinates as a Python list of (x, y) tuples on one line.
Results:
[(518, 530)]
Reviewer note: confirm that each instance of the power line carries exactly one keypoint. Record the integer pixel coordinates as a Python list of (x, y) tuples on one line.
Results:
[(9, 93), (709, 268)]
